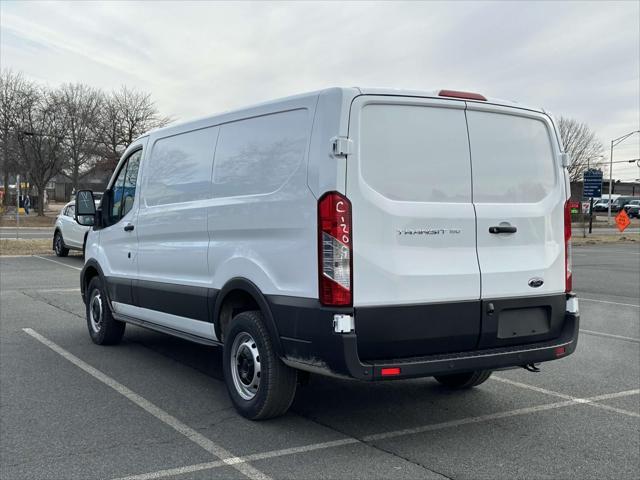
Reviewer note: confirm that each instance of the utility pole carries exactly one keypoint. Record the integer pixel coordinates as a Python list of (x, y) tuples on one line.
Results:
[(5, 169), (614, 142)]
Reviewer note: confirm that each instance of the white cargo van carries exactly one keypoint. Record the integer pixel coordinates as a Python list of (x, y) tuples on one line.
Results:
[(369, 234)]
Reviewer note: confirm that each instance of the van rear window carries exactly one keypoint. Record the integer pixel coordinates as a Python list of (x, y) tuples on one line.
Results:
[(415, 153), (512, 158)]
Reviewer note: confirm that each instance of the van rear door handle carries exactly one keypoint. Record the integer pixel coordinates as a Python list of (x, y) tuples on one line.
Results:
[(503, 229), (128, 227)]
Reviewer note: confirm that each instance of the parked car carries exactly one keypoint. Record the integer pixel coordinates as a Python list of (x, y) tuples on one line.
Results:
[(336, 233), (68, 233), (633, 210), (601, 205), (621, 202), (632, 203)]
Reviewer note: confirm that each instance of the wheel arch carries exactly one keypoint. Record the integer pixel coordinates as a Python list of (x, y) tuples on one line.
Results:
[(237, 295), (90, 270)]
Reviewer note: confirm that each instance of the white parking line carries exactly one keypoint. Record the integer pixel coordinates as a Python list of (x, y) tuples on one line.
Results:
[(589, 401), (610, 335), (226, 457), (382, 436), (56, 290), (577, 248), (581, 299), (249, 458), (55, 261), (499, 415)]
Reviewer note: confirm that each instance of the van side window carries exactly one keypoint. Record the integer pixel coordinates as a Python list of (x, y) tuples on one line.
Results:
[(129, 189), (124, 188), (258, 155), (116, 202), (179, 168)]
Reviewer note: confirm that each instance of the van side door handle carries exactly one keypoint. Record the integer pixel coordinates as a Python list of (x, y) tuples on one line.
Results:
[(503, 229), (128, 227)]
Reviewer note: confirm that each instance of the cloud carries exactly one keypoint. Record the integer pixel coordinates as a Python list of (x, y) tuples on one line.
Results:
[(197, 58)]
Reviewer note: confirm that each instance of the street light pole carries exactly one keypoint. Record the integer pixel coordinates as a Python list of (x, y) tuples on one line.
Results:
[(614, 142), (610, 184)]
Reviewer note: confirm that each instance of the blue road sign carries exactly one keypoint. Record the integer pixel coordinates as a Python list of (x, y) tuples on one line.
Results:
[(592, 184)]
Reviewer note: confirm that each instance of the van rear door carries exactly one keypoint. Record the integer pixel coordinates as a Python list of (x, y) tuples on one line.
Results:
[(519, 198), (416, 280)]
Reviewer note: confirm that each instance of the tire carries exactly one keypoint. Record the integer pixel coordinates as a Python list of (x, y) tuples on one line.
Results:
[(58, 245), (259, 384), (103, 328), (461, 381)]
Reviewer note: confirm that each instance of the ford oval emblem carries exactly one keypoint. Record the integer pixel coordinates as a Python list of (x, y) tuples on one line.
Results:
[(536, 282)]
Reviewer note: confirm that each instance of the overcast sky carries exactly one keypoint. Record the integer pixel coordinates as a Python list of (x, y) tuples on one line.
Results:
[(580, 60)]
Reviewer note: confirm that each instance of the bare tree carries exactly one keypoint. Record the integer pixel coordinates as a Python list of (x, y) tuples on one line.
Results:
[(139, 113), (40, 120), (580, 142), (126, 114), (11, 87), (108, 132), (80, 108), (68, 130)]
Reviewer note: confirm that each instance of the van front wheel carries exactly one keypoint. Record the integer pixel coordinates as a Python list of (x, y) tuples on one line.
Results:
[(461, 381), (259, 384), (103, 328)]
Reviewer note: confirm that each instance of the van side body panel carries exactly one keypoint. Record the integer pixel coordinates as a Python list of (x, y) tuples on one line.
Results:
[(258, 235), (327, 172)]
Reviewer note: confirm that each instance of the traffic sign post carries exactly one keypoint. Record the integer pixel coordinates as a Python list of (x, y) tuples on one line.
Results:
[(592, 184), (592, 187)]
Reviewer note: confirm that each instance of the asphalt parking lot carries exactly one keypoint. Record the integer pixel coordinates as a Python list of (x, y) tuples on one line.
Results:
[(155, 406)]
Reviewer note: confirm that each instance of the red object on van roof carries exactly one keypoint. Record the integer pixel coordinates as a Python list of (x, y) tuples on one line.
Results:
[(457, 94)]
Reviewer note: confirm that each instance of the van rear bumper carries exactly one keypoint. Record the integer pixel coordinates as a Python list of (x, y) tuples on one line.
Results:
[(326, 352)]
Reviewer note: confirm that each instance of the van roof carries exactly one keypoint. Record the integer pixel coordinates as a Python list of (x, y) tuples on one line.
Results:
[(341, 92), (435, 94)]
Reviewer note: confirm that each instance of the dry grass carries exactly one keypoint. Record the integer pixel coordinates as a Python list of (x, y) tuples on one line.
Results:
[(32, 220), (25, 247), (576, 239)]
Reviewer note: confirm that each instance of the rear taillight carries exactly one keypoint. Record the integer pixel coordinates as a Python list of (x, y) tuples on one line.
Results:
[(567, 248), (334, 250)]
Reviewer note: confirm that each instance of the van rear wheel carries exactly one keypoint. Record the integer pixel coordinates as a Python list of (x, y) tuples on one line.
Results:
[(259, 384), (460, 381)]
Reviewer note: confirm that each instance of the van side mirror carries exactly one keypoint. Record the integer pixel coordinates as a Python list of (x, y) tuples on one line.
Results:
[(85, 208), (566, 159)]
